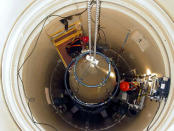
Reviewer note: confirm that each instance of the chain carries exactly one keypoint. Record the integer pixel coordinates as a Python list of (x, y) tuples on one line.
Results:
[(89, 24), (96, 25)]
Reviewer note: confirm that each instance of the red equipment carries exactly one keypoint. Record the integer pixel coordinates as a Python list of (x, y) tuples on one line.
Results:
[(126, 86)]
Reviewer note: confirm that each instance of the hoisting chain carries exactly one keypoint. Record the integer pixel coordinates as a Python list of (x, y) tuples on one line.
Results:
[(96, 25)]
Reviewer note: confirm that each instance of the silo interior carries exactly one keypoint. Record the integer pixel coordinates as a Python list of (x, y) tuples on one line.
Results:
[(37, 71)]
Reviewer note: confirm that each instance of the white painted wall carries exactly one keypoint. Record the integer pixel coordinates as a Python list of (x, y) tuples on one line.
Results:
[(10, 10)]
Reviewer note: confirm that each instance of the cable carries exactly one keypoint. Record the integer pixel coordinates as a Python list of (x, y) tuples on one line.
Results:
[(34, 45), (101, 29), (122, 58), (122, 47), (67, 17), (77, 14), (19, 76), (149, 126), (23, 86), (27, 58), (40, 123), (153, 117), (28, 104), (104, 34)]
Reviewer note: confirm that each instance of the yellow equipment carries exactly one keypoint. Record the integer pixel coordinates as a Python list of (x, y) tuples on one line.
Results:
[(63, 37)]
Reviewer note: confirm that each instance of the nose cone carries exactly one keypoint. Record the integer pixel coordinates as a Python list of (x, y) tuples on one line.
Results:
[(92, 75)]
